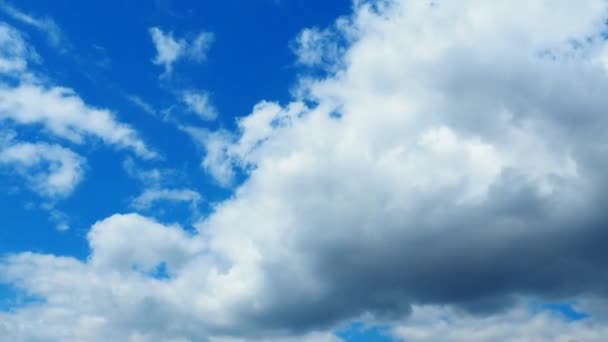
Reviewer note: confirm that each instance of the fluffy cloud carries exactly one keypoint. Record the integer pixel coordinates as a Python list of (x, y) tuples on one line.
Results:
[(225, 151), (116, 293), (320, 48), (169, 50), (454, 159), (50, 170)]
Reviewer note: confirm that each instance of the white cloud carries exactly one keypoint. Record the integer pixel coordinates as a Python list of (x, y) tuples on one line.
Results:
[(160, 188), (152, 177), (199, 103), (28, 100), (114, 295), (151, 196), (14, 52), (217, 161), (64, 114), (50, 170), (446, 161), (141, 104), (199, 46), (224, 151), (319, 48), (169, 50), (57, 217), (122, 242), (45, 25)]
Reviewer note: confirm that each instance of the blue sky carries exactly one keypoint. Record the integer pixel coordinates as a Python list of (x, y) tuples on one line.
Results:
[(303, 170)]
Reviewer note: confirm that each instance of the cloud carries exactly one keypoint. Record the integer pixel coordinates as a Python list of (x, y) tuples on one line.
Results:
[(217, 161), (454, 158), (160, 189), (45, 25), (170, 50), (319, 48), (64, 114), (127, 241), (197, 51), (50, 170), (151, 196), (14, 52), (445, 324), (25, 99), (152, 177), (199, 103), (225, 151), (60, 219), (141, 104), (126, 252)]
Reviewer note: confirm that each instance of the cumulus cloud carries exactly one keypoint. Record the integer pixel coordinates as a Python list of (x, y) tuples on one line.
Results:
[(170, 50), (455, 158)]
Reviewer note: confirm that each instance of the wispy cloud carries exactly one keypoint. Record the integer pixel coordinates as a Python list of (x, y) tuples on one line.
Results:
[(14, 52), (169, 49), (151, 196), (64, 114), (141, 104), (199, 103), (46, 25)]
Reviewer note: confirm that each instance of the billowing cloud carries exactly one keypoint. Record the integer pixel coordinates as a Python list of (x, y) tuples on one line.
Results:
[(454, 159), (169, 49)]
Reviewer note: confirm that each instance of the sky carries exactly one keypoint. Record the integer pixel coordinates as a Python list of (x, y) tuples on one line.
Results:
[(290, 170)]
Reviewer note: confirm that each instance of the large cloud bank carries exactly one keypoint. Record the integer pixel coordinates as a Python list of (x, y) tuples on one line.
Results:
[(451, 163)]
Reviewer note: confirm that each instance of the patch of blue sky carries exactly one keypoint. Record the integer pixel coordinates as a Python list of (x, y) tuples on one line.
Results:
[(565, 310), (12, 298), (361, 332)]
